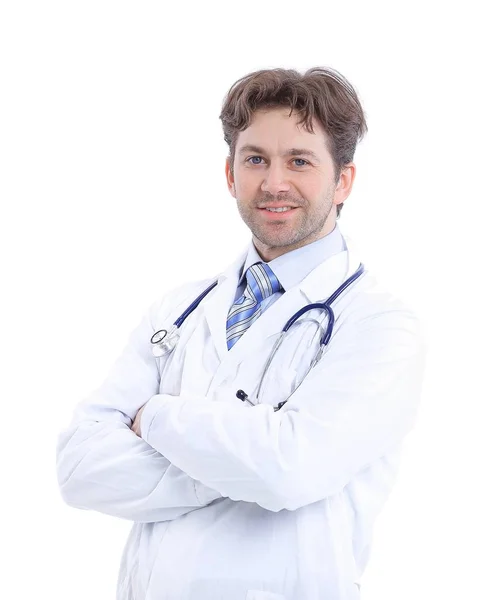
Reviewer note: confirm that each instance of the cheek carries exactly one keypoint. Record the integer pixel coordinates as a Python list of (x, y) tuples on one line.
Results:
[(314, 188), (246, 184)]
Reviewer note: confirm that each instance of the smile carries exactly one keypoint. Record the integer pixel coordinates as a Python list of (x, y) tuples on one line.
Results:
[(279, 213), (282, 209)]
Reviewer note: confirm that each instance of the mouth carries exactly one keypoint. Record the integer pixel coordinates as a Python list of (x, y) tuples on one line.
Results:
[(278, 213)]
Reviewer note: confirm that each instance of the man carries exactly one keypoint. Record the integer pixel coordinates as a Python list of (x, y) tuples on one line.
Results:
[(240, 489)]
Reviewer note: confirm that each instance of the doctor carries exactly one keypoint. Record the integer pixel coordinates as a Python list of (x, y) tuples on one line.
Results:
[(231, 498)]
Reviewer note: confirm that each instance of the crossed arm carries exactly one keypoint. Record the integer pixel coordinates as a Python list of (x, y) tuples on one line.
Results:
[(157, 460), (103, 465)]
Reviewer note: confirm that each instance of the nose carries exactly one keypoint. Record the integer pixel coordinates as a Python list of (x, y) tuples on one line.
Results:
[(275, 180)]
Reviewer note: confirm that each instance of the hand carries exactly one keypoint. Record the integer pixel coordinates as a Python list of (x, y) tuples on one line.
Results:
[(136, 426)]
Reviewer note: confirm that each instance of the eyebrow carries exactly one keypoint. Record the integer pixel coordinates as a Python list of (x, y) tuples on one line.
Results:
[(290, 152)]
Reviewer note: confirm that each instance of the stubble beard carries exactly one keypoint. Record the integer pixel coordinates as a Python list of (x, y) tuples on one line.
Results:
[(298, 228)]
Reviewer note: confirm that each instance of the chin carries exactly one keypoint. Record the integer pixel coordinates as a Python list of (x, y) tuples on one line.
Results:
[(278, 242)]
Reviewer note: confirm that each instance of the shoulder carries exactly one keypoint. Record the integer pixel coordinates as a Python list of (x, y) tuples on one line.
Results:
[(373, 300), (175, 301), (374, 310)]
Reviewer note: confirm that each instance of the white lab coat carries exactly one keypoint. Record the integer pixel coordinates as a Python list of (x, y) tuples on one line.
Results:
[(234, 502)]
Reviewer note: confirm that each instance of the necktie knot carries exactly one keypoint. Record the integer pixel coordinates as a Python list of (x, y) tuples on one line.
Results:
[(262, 281)]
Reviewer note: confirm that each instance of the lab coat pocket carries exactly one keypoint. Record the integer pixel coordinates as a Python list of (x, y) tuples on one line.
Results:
[(262, 595)]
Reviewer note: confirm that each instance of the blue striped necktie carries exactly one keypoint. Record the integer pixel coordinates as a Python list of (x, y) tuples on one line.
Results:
[(261, 283)]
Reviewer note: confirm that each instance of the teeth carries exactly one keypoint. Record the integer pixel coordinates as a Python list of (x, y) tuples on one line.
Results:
[(283, 209)]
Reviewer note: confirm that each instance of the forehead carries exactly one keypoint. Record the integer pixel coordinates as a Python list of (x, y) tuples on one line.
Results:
[(274, 130)]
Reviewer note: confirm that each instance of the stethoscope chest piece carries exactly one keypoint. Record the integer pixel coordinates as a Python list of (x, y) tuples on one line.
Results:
[(164, 341)]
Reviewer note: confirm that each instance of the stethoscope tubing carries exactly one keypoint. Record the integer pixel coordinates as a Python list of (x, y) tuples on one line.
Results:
[(193, 306), (181, 319), (325, 306), (324, 340)]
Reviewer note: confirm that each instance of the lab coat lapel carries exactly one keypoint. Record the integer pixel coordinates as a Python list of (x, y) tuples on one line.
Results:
[(320, 284)]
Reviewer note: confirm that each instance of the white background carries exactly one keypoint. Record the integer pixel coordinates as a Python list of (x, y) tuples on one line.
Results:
[(113, 191)]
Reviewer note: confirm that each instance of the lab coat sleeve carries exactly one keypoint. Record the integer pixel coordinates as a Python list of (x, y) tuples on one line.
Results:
[(354, 407), (103, 465)]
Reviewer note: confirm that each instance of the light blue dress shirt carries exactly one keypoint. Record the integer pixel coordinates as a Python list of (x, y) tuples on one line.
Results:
[(292, 267)]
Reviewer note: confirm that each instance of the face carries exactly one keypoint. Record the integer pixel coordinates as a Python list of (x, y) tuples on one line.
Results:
[(278, 164)]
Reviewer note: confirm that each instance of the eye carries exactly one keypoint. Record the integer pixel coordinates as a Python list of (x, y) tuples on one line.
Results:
[(303, 161), (256, 158)]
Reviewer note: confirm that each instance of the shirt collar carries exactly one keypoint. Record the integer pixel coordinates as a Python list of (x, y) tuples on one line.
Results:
[(292, 267)]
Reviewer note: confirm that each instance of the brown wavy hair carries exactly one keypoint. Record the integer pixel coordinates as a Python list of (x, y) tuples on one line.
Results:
[(321, 93)]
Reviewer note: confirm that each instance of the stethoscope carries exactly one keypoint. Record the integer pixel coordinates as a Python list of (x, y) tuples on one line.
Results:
[(164, 341)]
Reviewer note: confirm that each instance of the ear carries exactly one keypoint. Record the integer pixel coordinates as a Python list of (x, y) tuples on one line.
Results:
[(230, 177), (345, 183)]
